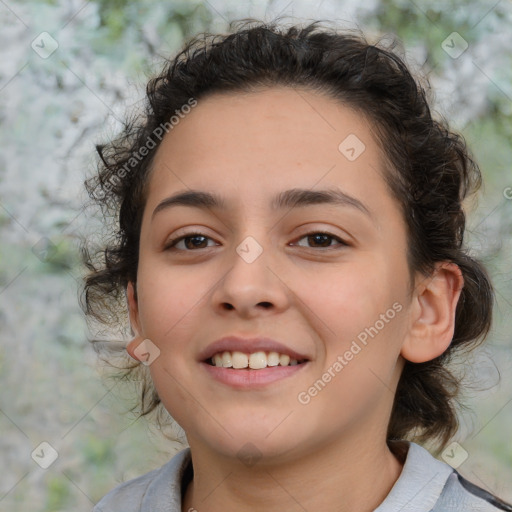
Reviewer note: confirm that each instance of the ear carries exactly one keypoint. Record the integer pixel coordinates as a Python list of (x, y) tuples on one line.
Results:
[(433, 314), (133, 310)]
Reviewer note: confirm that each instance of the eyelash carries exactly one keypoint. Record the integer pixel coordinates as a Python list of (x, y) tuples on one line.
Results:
[(172, 243)]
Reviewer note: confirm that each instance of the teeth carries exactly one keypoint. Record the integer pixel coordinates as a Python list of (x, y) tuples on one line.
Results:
[(284, 360), (226, 360), (240, 360), (273, 359), (258, 360), (255, 361)]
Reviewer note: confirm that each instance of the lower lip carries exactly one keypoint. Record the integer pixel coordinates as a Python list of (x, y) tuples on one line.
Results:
[(247, 378)]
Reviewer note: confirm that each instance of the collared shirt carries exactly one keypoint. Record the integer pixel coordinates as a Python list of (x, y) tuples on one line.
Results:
[(425, 485)]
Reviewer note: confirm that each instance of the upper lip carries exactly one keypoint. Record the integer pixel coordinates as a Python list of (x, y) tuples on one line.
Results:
[(248, 346)]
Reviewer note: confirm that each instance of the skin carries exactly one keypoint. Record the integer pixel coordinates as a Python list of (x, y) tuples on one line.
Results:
[(316, 300)]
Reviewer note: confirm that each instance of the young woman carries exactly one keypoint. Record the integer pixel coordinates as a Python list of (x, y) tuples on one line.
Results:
[(291, 246)]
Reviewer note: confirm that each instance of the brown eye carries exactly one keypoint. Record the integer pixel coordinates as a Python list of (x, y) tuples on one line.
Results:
[(322, 239), (191, 241)]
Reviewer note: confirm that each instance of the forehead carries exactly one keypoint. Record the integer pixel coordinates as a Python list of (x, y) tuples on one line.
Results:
[(250, 145)]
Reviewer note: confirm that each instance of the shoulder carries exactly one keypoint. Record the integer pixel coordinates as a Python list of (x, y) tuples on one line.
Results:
[(427, 484), (127, 496), (163, 483), (460, 494)]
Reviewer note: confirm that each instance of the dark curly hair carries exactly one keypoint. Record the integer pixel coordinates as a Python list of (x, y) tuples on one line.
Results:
[(430, 172)]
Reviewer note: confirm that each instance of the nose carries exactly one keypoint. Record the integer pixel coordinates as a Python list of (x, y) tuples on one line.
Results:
[(251, 287)]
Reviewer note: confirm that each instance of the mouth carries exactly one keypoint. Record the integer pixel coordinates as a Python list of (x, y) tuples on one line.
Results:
[(252, 361), (250, 353)]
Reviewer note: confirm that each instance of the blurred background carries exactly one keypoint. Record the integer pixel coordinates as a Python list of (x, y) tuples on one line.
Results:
[(69, 70)]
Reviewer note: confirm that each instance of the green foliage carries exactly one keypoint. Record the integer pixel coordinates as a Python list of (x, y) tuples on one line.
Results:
[(97, 451), (117, 16), (58, 493)]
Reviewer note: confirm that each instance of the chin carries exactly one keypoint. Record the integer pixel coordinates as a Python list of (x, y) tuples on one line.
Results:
[(251, 445)]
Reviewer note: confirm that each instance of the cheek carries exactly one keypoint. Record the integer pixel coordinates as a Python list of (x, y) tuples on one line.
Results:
[(168, 299), (173, 382), (362, 314), (351, 297), (363, 320)]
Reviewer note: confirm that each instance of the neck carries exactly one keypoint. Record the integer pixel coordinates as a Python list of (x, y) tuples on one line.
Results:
[(341, 476)]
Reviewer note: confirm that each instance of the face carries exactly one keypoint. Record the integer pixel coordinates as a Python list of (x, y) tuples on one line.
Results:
[(328, 280)]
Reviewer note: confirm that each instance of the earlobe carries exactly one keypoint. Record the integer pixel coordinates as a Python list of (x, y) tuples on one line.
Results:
[(132, 346), (435, 302)]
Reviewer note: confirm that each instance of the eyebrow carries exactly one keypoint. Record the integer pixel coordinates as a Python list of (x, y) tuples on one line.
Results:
[(293, 198)]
